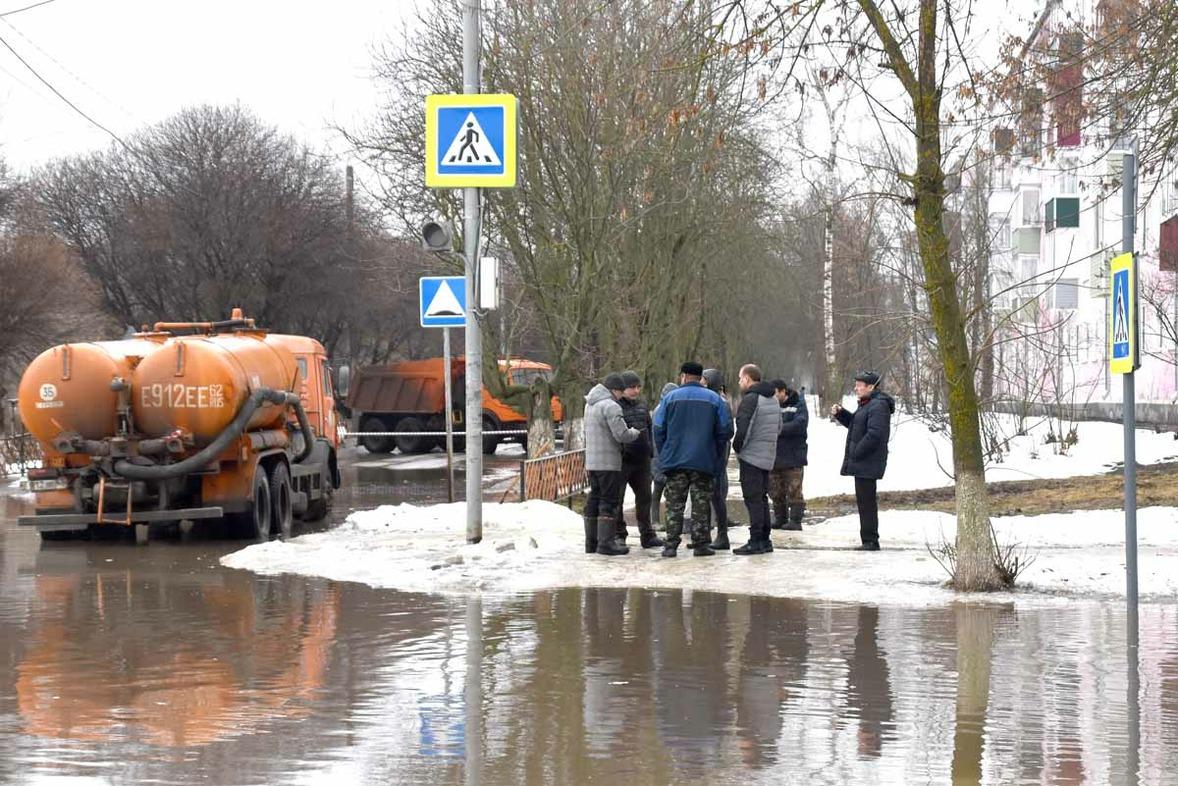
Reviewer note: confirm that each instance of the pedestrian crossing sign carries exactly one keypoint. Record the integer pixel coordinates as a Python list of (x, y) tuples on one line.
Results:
[(443, 301), (1122, 332), (470, 141)]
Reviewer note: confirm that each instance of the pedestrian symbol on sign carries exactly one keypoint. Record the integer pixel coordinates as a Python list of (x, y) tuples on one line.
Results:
[(1121, 311), (470, 146)]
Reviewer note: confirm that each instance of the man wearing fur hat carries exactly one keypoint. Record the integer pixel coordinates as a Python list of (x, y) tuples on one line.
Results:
[(692, 428), (605, 433)]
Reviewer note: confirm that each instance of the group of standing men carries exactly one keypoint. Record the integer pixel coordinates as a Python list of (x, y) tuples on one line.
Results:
[(683, 450)]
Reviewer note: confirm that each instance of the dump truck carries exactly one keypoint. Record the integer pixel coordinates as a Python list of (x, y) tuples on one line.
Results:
[(186, 422), (410, 396)]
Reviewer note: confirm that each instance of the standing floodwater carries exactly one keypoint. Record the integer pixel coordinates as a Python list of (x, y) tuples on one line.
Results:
[(156, 664)]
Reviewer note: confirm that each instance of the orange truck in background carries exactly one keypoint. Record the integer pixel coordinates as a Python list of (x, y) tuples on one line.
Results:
[(187, 422), (411, 396)]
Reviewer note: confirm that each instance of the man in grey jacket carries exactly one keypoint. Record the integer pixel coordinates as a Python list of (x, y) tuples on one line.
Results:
[(758, 420), (605, 433)]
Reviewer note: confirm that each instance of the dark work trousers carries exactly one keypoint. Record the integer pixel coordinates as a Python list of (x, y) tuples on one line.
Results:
[(605, 487), (754, 487), (868, 503), (720, 491), (636, 475)]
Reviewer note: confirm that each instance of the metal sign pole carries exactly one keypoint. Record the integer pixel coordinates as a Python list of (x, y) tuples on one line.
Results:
[(470, 247), (449, 416), (1128, 407)]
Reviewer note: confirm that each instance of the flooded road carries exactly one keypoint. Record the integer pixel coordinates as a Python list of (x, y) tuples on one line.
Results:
[(123, 664)]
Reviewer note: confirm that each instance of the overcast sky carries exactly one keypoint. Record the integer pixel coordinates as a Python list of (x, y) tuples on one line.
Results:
[(299, 65)]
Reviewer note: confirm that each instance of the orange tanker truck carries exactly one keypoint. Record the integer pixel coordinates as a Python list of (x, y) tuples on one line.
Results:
[(187, 422), (410, 396)]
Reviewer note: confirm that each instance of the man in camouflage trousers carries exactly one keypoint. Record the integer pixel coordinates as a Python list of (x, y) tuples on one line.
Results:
[(692, 430)]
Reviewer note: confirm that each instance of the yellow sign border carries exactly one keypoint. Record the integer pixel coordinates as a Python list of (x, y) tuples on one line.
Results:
[(434, 179), (1118, 263)]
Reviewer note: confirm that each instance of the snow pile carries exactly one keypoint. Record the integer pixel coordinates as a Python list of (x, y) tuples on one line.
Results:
[(539, 545), (919, 458)]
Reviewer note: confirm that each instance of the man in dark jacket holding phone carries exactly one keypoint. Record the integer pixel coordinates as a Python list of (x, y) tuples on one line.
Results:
[(865, 457)]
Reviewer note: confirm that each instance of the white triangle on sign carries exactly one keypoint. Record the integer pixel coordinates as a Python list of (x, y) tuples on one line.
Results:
[(470, 146), (444, 303)]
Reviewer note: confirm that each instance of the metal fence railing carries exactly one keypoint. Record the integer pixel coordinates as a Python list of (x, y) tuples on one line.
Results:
[(553, 477), (17, 453)]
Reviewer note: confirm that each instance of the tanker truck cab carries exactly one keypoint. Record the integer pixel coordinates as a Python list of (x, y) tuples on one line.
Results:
[(184, 423)]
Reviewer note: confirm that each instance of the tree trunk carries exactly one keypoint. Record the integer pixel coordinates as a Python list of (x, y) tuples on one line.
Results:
[(541, 432), (976, 569)]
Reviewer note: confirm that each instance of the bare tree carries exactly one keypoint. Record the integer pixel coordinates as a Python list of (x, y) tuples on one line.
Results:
[(213, 209), (639, 231)]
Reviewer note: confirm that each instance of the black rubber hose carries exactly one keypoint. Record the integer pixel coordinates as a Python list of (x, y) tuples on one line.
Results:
[(236, 427)]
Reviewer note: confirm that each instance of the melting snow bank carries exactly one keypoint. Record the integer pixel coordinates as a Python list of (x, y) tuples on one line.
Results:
[(539, 545)]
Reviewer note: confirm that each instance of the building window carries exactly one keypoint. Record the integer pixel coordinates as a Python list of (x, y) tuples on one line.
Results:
[(1067, 181), (1030, 198), (1002, 174), (1067, 293), (1028, 267), (999, 233)]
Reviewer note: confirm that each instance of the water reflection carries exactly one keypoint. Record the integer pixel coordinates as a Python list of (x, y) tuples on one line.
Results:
[(155, 664)]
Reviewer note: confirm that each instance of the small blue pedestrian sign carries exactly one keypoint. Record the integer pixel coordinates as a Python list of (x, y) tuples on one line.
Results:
[(470, 140), (443, 301)]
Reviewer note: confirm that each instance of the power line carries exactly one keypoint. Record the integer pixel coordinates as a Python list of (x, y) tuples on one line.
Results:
[(26, 8), (59, 94)]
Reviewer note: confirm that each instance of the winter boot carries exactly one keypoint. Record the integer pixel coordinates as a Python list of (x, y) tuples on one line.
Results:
[(590, 535), (651, 540), (703, 551), (721, 541), (669, 549), (607, 539), (621, 534), (780, 517), (795, 518), (756, 544)]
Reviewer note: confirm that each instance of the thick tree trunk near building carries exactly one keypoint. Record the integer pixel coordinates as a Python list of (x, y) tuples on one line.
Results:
[(975, 568)]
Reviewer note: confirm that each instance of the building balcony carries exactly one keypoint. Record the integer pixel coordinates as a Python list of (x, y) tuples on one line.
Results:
[(1062, 213)]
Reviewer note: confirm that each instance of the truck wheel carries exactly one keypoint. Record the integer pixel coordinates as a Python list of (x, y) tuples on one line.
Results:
[(255, 521), (492, 442), (376, 444), (281, 503), (412, 444), (318, 509)]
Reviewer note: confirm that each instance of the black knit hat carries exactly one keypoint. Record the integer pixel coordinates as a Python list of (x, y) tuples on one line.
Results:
[(868, 377), (779, 384), (692, 369), (613, 382), (631, 379)]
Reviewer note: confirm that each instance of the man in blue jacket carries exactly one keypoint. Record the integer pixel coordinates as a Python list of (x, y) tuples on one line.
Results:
[(692, 427), (785, 480), (865, 456)]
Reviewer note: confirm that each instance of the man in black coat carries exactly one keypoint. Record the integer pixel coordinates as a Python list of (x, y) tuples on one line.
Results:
[(866, 454), (636, 457), (785, 480)]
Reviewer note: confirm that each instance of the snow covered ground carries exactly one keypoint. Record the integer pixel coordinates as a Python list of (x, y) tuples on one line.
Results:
[(537, 545), (919, 458)]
